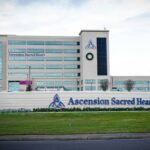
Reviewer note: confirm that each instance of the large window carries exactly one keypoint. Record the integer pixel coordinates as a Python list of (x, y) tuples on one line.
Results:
[(13, 86), (101, 56)]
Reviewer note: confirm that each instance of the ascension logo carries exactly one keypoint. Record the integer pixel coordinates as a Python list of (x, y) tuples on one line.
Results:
[(56, 103), (90, 45)]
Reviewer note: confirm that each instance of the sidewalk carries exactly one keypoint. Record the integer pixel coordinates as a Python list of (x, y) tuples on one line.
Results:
[(75, 137)]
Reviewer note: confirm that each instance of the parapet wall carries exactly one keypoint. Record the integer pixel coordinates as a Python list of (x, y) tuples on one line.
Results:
[(61, 99)]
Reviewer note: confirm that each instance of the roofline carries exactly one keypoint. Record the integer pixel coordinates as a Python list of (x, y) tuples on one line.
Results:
[(93, 31), (40, 36)]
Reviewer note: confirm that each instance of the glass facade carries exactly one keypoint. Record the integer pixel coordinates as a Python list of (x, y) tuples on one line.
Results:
[(67, 85), (42, 66), (90, 81), (54, 58), (119, 85), (13, 86), (1, 61), (101, 56), (54, 51), (35, 50), (62, 51), (90, 88), (71, 58), (22, 42), (21, 57), (16, 50)]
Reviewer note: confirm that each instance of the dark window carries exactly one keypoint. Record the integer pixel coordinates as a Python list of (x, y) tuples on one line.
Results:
[(101, 56)]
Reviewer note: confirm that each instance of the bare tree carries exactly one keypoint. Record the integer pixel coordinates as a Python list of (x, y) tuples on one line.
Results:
[(129, 84), (104, 84)]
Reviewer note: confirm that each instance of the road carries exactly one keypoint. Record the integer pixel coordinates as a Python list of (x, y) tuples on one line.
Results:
[(116, 144)]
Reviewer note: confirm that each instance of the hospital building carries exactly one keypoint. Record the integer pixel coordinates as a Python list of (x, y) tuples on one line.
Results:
[(67, 63)]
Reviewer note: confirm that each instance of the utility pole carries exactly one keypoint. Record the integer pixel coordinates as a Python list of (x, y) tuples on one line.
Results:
[(91, 85), (29, 72)]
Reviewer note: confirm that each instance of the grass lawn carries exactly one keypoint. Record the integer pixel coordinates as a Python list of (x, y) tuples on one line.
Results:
[(74, 122)]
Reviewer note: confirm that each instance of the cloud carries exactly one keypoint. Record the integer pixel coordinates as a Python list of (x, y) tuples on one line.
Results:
[(128, 22)]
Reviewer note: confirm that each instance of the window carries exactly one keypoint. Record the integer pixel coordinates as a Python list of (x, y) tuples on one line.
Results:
[(53, 43), (71, 58), (58, 83), (13, 58), (54, 51), (35, 42), (90, 81), (17, 74), (46, 74), (71, 51), (16, 66), (71, 74), (70, 83), (35, 58), (66, 43), (35, 50), (14, 50), (62, 51), (101, 56), (36, 66), (71, 66), (90, 88), (54, 66), (16, 42), (54, 58), (70, 43), (13, 86)]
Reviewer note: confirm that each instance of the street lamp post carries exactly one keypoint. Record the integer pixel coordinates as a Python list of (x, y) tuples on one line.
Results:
[(28, 80)]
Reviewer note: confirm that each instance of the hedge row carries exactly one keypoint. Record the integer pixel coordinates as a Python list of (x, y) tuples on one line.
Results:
[(89, 109), (15, 110)]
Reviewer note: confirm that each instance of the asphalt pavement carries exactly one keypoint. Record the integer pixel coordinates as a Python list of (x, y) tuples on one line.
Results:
[(113, 144), (75, 137)]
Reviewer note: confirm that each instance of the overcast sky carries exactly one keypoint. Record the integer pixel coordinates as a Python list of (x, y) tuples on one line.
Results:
[(127, 20)]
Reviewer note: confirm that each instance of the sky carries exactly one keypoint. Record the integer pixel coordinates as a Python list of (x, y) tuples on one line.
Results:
[(127, 20)]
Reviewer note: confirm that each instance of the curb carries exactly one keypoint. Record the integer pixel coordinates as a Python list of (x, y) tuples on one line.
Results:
[(75, 137)]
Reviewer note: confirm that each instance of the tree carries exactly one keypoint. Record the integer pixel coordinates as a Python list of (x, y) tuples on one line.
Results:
[(129, 84), (104, 84)]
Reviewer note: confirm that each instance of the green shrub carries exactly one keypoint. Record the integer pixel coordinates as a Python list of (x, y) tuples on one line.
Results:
[(89, 109)]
